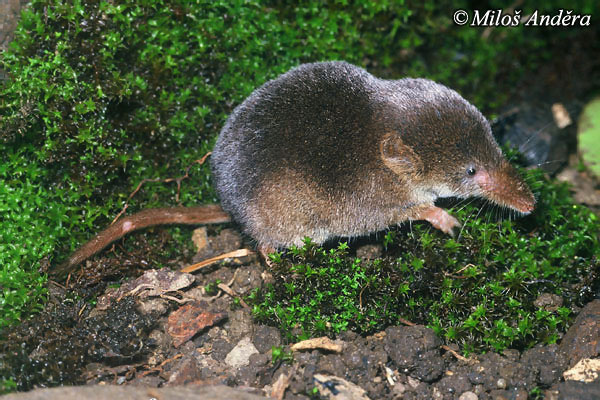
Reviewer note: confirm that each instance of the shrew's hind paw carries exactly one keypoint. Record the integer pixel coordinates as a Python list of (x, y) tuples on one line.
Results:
[(264, 252)]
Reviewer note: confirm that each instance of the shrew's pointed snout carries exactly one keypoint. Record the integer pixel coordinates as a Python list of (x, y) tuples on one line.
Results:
[(505, 187)]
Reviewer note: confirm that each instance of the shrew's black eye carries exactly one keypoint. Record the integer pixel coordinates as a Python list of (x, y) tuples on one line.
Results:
[(471, 171)]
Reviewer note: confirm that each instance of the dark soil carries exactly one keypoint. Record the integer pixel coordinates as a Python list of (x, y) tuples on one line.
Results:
[(163, 329)]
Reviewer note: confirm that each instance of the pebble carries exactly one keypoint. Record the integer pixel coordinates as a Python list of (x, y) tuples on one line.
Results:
[(501, 383), (240, 355), (468, 396)]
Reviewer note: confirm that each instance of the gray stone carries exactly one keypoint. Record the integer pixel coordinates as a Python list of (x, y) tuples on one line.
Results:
[(103, 392)]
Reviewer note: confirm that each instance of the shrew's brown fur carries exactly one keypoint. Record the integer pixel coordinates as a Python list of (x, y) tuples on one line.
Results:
[(328, 150)]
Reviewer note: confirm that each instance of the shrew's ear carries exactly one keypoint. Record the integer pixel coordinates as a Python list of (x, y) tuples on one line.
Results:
[(399, 157)]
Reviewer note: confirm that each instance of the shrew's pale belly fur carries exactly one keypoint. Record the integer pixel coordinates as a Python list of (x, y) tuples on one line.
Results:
[(311, 211)]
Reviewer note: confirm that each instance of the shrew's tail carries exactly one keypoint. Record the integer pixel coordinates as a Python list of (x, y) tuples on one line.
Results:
[(208, 214)]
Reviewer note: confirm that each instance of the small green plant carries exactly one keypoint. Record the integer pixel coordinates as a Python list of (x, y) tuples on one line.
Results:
[(536, 393), (7, 386), (278, 354), (236, 303), (275, 257), (388, 238), (477, 290), (212, 288)]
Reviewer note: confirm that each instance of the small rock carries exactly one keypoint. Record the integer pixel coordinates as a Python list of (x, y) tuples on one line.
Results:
[(247, 278), (500, 395), (240, 355), (586, 370), (155, 306), (332, 364), (548, 301), (468, 396), (364, 360), (265, 338), (521, 394), (498, 371), (581, 340), (336, 388), (102, 392), (399, 389), (529, 127), (501, 383), (308, 362), (188, 371), (219, 345), (548, 361), (551, 394), (413, 383), (573, 390), (475, 378), (415, 350), (160, 339), (155, 282), (240, 325), (454, 384)]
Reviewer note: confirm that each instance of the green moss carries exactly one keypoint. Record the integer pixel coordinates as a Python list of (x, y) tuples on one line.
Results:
[(477, 290), (101, 95)]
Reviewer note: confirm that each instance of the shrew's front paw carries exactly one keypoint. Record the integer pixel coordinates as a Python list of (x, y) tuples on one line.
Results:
[(440, 219)]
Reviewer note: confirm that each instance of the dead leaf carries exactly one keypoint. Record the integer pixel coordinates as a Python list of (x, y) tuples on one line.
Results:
[(205, 263), (323, 343), (154, 282), (280, 386), (185, 322)]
